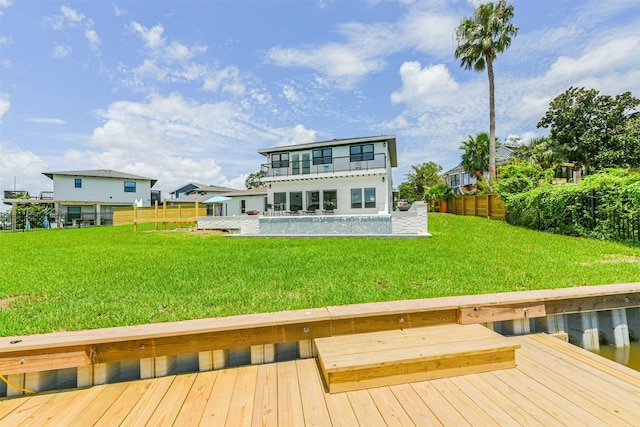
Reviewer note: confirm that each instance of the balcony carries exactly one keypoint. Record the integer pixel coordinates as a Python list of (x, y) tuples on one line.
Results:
[(338, 165)]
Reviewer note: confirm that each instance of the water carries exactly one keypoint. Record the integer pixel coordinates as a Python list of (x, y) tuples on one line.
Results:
[(628, 356)]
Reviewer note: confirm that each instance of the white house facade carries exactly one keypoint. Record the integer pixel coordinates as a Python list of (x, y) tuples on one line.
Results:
[(91, 195), (351, 176)]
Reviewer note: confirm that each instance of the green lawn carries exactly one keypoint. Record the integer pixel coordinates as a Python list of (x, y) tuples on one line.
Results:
[(54, 280)]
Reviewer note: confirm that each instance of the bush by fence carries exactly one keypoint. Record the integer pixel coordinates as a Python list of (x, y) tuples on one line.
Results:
[(604, 206)]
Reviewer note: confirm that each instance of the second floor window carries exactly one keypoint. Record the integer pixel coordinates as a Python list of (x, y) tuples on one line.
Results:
[(78, 183), (322, 156), (280, 160), (358, 153), (129, 187)]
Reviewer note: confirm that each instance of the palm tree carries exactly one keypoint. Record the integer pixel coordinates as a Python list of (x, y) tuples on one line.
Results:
[(480, 39), (475, 159)]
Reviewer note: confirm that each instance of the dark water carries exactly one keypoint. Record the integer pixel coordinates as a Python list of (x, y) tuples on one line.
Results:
[(628, 356)]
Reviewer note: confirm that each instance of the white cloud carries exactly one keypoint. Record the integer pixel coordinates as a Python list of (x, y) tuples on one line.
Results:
[(93, 39), (6, 40), (152, 37), (298, 135), (423, 86), (23, 166), (61, 50), (46, 120), (5, 105), (117, 11), (290, 93), (426, 28)]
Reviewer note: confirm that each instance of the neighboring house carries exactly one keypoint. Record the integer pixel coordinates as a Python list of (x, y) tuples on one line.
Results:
[(192, 190), (239, 202), (457, 177), (91, 195), (345, 176)]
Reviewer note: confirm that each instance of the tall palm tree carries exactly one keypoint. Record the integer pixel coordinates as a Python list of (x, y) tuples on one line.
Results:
[(480, 39)]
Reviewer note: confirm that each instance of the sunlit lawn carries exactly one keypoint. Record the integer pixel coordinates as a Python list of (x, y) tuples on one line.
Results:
[(97, 277)]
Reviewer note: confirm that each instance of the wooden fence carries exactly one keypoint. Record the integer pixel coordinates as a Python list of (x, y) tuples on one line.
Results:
[(486, 205), (159, 214)]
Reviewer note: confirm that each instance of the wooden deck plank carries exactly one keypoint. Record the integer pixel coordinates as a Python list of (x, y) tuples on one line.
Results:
[(289, 400), (614, 400), (469, 387), (365, 408), (603, 365), (115, 413), (312, 393), (265, 405), (63, 411), (217, 409), (7, 406), (583, 397), (389, 407), (32, 404), (172, 401), (340, 410), (465, 405), (511, 393), (147, 404), (445, 411), (414, 406), (585, 365), (104, 401), (196, 401), (562, 409), (242, 401)]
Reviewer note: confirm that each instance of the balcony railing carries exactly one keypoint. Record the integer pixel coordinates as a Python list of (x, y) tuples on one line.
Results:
[(301, 168)]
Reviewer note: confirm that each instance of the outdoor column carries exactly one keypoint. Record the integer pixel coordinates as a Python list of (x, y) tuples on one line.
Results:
[(583, 329), (613, 324)]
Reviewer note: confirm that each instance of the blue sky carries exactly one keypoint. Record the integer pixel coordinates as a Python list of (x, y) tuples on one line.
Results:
[(185, 91)]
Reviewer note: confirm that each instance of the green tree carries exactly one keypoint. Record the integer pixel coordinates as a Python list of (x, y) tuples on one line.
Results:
[(624, 149), (480, 39), (475, 159), (254, 179), (541, 151), (419, 179), (583, 124)]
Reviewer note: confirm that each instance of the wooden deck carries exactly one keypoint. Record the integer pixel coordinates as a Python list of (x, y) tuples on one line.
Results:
[(553, 383)]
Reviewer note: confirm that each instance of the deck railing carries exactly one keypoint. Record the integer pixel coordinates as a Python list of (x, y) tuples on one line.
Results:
[(300, 168)]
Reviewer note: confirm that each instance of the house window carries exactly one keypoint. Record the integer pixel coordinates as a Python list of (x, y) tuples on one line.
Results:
[(358, 153), (243, 206), (455, 180), (280, 160), (129, 186), (78, 183), (322, 156), (295, 201), (313, 200), (356, 198), (73, 212), (330, 199), (369, 197), (279, 201)]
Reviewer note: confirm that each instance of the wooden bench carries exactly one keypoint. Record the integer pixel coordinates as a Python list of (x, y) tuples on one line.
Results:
[(396, 357)]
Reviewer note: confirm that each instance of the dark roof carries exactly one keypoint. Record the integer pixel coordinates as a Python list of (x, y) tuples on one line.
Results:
[(100, 173), (390, 139)]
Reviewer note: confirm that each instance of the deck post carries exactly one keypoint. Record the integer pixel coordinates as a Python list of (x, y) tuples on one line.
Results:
[(211, 360), (154, 367), (306, 349), (516, 327), (614, 326), (583, 329), (17, 380), (265, 353)]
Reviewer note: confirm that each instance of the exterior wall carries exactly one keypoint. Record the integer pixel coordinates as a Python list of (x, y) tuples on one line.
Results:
[(245, 224), (252, 203), (415, 220), (110, 190), (339, 225), (343, 186)]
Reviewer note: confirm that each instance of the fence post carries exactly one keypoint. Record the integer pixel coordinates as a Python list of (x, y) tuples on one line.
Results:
[(489, 198)]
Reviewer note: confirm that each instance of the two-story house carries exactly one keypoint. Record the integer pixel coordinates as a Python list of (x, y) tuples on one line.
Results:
[(91, 195), (343, 176)]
